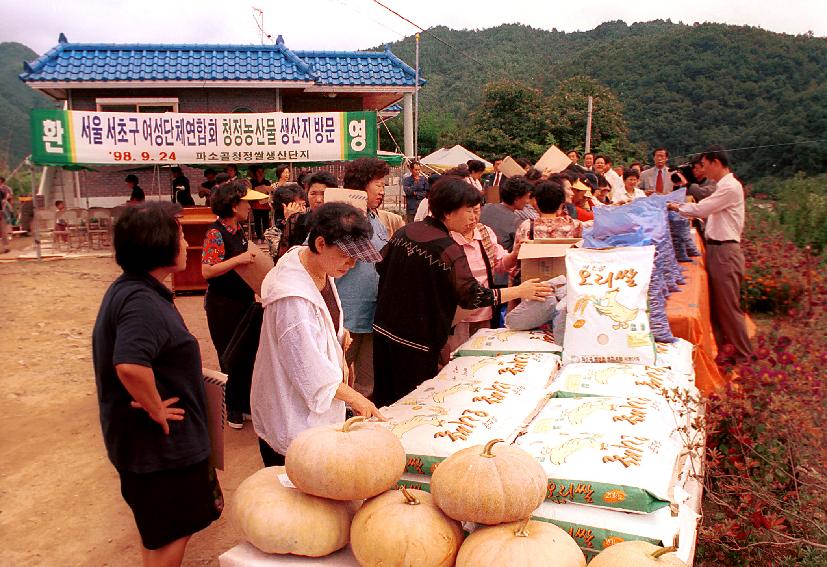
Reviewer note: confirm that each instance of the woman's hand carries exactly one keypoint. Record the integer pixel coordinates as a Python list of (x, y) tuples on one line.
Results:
[(363, 406), (291, 209), (534, 290), (164, 414), (247, 257)]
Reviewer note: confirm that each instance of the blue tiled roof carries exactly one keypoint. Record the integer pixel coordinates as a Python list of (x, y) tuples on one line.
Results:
[(77, 62)]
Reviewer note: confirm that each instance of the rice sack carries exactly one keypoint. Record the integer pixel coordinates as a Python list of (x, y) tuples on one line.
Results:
[(622, 380), (471, 401), (650, 417), (677, 357), (595, 529), (610, 470), (607, 313), (494, 342)]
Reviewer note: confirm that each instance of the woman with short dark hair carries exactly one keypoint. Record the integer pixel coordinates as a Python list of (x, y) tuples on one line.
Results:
[(153, 408), (136, 194), (423, 277), (300, 379), (358, 288), (228, 296), (553, 221)]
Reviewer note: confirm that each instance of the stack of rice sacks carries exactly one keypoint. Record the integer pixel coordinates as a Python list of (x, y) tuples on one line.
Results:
[(612, 438), (642, 222)]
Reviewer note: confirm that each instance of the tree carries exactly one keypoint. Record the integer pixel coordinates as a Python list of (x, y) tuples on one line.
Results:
[(568, 107), (512, 119)]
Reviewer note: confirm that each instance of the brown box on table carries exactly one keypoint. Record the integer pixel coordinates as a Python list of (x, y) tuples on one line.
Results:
[(546, 258)]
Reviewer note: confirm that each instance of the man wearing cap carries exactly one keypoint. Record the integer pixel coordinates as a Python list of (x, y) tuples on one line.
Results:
[(582, 200), (724, 214), (228, 296)]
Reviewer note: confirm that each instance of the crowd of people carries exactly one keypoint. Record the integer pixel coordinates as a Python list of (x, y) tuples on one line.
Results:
[(359, 308)]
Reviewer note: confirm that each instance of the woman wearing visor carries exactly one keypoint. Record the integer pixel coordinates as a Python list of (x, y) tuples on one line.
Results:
[(300, 378)]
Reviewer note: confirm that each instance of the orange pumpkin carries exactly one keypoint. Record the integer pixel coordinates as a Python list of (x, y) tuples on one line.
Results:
[(404, 528), (354, 461), (526, 543), (489, 485)]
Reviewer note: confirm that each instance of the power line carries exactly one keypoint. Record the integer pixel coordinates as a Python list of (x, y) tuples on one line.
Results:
[(361, 13), (423, 30), (764, 146)]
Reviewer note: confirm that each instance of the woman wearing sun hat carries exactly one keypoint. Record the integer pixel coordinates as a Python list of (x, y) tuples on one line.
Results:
[(300, 378), (228, 295)]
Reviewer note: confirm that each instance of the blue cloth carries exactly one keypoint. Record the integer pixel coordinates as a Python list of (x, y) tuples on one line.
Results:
[(359, 287)]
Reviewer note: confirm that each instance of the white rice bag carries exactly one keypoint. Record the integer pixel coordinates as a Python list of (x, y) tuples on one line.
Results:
[(650, 417), (677, 357), (610, 470), (595, 529), (493, 342), (471, 401), (607, 304), (621, 380)]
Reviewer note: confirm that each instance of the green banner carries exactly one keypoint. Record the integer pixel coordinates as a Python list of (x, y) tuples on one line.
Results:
[(63, 137)]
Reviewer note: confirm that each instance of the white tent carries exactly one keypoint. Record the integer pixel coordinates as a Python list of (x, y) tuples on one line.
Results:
[(446, 158)]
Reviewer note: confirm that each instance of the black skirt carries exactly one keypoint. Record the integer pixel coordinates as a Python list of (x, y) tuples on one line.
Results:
[(172, 503)]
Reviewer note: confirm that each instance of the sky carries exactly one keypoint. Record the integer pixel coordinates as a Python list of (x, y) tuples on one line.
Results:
[(361, 24)]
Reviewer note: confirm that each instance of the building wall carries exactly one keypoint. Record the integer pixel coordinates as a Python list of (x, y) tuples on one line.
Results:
[(189, 100)]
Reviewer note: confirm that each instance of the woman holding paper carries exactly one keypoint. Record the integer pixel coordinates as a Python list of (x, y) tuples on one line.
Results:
[(228, 296)]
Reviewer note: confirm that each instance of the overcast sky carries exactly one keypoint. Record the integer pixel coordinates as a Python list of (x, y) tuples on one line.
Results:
[(359, 24)]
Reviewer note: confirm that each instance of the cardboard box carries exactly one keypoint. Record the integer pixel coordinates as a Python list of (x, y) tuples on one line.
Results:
[(546, 258), (358, 199), (511, 168), (554, 160), (253, 274), (492, 194), (214, 385)]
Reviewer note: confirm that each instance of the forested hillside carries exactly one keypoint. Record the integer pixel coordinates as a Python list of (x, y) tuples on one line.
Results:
[(15, 101), (680, 86)]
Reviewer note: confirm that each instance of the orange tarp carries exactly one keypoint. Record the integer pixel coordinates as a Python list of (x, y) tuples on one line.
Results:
[(689, 317)]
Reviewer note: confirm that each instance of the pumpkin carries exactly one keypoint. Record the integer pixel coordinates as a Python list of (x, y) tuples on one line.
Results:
[(489, 486), (404, 528), (637, 554), (526, 543), (354, 461), (278, 519)]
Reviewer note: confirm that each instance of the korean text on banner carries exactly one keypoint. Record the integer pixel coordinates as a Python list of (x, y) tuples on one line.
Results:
[(63, 137)]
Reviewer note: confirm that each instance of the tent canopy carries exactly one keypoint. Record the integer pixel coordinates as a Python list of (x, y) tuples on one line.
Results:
[(446, 158)]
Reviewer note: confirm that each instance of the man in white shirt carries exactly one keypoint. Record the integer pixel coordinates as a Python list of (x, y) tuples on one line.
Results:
[(603, 166), (724, 214), (656, 179)]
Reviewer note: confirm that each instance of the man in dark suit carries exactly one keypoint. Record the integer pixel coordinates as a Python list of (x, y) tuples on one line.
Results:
[(495, 178)]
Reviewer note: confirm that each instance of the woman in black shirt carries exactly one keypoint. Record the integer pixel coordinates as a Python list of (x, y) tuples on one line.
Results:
[(153, 408)]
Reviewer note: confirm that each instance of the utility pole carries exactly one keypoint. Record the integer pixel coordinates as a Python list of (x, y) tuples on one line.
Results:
[(589, 128), (416, 102)]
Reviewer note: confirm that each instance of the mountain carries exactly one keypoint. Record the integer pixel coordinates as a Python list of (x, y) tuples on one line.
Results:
[(16, 99), (681, 86)]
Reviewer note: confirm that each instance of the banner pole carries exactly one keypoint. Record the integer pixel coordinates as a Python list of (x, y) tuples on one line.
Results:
[(35, 216)]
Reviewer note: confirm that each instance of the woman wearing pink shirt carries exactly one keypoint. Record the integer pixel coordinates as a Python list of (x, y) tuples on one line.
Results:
[(485, 256)]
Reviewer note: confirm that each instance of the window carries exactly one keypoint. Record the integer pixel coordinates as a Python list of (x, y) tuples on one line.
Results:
[(137, 104)]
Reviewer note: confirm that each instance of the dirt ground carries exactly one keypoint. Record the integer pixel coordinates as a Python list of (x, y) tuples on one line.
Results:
[(60, 501)]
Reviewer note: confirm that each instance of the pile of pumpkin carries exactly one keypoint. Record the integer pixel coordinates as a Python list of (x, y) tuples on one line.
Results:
[(333, 468)]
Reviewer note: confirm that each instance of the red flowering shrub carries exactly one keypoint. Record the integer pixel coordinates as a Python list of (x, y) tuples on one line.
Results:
[(776, 270), (765, 500)]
